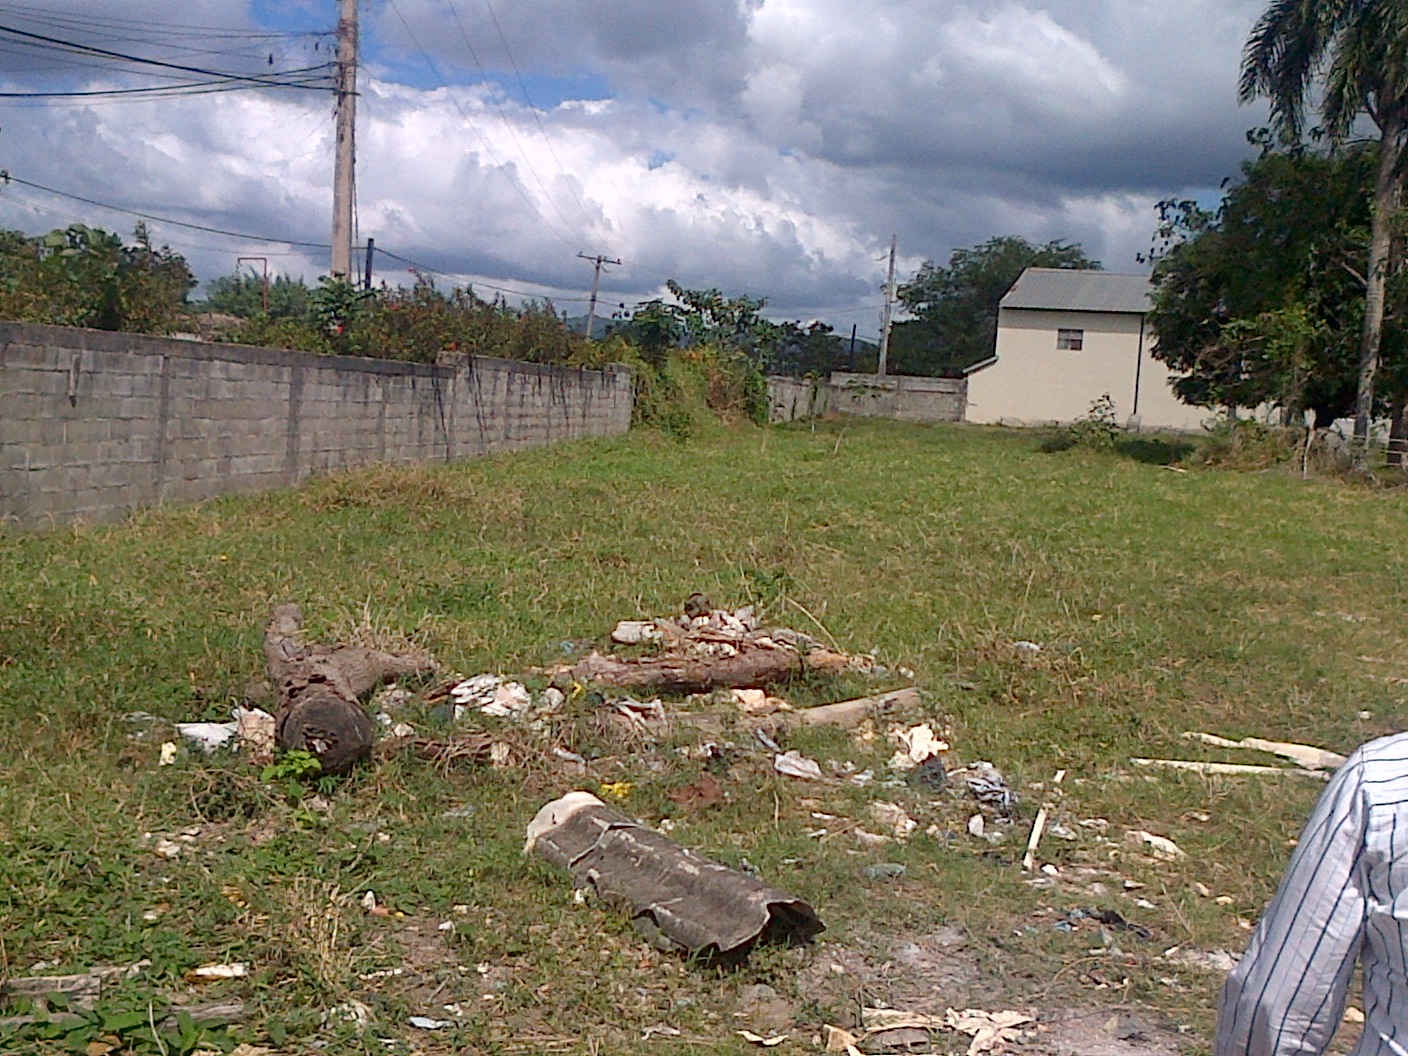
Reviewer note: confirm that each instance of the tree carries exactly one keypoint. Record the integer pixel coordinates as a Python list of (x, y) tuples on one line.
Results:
[(242, 294), (1357, 51), (1262, 301), (84, 276), (955, 308)]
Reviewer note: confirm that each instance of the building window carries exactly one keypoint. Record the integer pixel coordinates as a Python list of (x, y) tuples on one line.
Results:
[(1070, 340)]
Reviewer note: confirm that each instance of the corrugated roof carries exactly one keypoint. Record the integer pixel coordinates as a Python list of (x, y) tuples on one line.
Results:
[(1062, 289)]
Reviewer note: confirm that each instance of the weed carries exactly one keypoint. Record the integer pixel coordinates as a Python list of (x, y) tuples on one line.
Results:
[(1242, 604)]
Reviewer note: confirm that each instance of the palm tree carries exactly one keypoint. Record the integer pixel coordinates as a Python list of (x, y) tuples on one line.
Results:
[(1357, 52)]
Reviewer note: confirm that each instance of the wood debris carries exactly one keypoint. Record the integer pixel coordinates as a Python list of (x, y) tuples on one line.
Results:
[(320, 688)]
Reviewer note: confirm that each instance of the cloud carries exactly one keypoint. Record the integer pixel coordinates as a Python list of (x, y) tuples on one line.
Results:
[(768, 147)]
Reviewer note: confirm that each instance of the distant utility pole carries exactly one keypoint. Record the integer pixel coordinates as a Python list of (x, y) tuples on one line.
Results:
[(344, 182), (885, 319), (597, 262)]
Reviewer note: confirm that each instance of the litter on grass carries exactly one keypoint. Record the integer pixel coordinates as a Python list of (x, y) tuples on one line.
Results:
[(795, 764), (916, 746), (1198, 766), (1305, 756), (212, 973), (989, 787), (679, 900), (1159, 846)]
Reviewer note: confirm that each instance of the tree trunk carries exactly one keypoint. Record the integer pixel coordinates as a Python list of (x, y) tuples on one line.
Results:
[(1386, 196), (752, 665), (319, 689)]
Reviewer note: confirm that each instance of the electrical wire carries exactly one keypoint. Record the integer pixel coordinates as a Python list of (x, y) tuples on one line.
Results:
[(513, 132), (537, 117), (49, 16), (8, 178), (88, 49), (424, 269), (482, 138)]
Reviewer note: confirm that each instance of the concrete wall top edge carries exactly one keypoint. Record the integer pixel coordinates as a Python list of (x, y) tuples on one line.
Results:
[(77, 339)]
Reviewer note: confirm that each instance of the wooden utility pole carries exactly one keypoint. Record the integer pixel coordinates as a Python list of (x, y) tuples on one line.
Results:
[(344, 182), (885, 319), (597, 262)]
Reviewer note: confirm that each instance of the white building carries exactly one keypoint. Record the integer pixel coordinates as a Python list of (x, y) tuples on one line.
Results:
[(1065, 338)]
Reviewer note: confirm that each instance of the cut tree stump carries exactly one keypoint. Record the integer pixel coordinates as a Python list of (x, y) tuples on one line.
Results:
[(320, 688)]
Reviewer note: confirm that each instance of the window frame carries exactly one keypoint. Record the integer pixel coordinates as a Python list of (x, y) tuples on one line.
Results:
[(1070, 339)]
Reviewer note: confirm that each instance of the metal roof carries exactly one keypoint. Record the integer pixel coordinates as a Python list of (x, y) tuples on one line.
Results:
[(1064, 289)]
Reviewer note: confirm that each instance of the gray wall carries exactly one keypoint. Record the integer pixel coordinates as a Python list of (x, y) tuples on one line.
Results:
[(95, 423), (893, 396)]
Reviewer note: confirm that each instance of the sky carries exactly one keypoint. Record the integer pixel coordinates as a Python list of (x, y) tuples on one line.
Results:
[(768, 148)]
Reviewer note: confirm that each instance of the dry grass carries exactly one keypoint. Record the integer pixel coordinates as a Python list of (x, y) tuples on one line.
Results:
[(1239, 604)]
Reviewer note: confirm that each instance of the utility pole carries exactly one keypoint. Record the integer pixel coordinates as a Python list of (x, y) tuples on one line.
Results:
[(885, 320), (597, 262), (344, 183), (371, 251)]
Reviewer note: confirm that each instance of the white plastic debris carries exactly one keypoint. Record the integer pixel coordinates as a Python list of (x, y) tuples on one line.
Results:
[(976, 825), (210, 973), (758, 1039), (1027, 648), (794, 764), (208, 736), (511, 700), (348, 1012), (168, 753), (895, 818), (916, 745), (636, 632), (1159, 846), (168, 849)]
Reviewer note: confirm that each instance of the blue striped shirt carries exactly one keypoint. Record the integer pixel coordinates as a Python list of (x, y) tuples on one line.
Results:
[(1344, 898)]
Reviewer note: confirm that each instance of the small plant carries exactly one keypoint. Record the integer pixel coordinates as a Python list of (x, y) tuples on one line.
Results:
[(1099, 428), (294, 770)]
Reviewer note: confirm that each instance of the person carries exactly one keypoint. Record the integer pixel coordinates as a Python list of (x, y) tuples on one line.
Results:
[(1343, 900)]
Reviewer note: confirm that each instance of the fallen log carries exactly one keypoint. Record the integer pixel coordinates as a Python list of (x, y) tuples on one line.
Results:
[(752, 664), (854, 712), (319, 689)]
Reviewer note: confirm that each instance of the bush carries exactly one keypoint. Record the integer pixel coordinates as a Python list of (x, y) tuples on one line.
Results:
[(1244, 443), (1100, 426)]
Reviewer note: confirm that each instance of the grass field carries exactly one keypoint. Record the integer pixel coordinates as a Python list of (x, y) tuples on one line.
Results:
[(1164, 601)]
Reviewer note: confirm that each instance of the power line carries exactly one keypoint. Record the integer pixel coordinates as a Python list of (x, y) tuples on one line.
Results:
[(6, 177), (481, 285), (88, 49), (160, 91), (482, 138), (508, 52), (46, 15), (513, 132)]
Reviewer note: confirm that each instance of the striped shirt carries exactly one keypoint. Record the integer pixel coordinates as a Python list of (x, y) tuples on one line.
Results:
[(1344, 898)]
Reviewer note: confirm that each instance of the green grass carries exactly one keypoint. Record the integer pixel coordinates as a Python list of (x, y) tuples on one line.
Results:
[(1242, 604)]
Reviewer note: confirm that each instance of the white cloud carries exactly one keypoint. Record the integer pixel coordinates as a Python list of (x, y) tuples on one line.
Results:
[(768, 147)]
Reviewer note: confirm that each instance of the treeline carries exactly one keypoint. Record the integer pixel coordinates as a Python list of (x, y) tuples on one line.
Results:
[(1261, 301)]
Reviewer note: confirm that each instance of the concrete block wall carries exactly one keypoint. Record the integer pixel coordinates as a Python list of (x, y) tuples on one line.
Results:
[(893, 396), (900, 396), (95, 423), (791, 399)]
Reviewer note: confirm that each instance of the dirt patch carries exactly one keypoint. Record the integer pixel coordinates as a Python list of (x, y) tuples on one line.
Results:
[(1101, 1032)]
